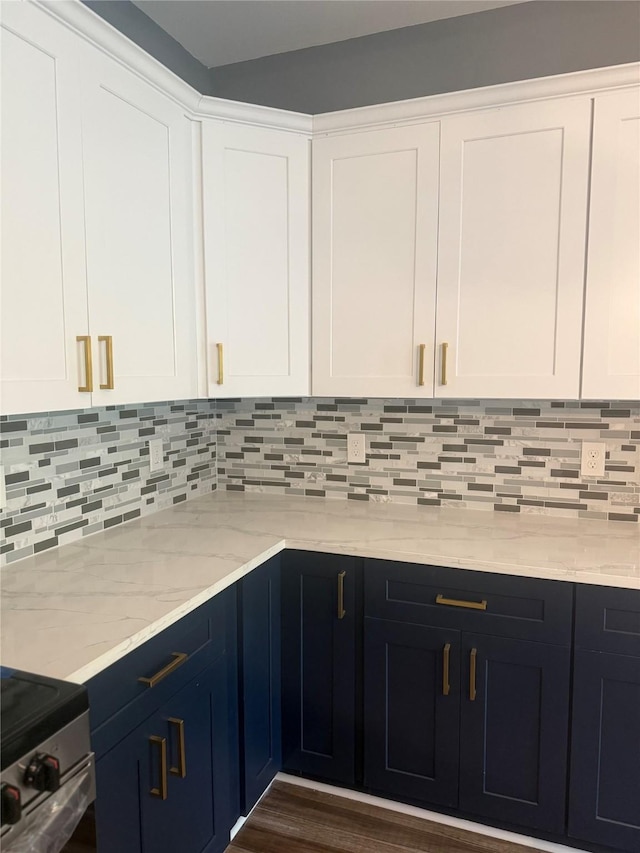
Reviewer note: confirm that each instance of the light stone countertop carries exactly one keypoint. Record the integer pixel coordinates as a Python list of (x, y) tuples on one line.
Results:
[(71, 612)]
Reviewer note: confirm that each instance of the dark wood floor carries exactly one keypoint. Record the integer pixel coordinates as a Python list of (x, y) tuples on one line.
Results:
[(292, 819)]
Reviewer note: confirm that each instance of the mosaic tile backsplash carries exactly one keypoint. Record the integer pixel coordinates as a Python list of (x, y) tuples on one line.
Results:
[(69, 474), (506, 456)]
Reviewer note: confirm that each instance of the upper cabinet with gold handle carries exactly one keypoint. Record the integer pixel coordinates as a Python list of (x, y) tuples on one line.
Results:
[(443, 363), (421, 349), (107, 340)]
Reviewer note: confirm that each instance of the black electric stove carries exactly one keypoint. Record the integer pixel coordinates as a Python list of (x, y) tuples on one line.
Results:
[(44, 746)]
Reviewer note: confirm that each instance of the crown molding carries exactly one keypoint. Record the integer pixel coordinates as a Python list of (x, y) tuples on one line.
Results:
[(255, 114), (415, 110), (102, 35)]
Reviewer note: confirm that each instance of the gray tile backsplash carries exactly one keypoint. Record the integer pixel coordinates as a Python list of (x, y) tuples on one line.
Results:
[(69, 474), (501, 455)]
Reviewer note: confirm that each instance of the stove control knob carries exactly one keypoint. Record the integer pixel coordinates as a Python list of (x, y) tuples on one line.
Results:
[(10, 804), (43, 773)]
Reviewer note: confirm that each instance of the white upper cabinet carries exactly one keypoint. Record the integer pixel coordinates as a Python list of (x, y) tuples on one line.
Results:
[(137, 174), (256, 246), (43, 300), (511, 250), (375, 223), (611, 360)]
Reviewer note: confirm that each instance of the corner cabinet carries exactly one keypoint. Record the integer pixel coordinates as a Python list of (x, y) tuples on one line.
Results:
[(375, 225), (612, 315), (321, 617), (255, 197)]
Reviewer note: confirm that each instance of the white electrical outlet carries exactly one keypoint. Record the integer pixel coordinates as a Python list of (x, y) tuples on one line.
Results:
[(156, 462), (356, 448), (592, 458)]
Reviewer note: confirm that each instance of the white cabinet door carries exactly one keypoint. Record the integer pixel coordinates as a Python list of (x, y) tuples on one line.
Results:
[(43, 305), (513, 205), (375, 209), (137, 171), (611, 360), (256, 241)]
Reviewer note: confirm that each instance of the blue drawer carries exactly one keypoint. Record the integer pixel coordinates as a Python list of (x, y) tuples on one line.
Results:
[(608, 619)]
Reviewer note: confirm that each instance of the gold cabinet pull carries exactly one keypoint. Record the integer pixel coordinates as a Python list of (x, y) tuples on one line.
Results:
[(341, 611), (178, 659), (88, 365), (161, 790), (107, 340), (472, 675), (446, 687), (443, 364), (181, 768), (421, 349), (219, 347), (456, 602)]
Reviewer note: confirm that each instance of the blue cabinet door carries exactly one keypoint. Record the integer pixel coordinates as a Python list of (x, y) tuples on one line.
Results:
[(604, 792), (260, 683), (166, 786), (514, 729), (321, 619), (411, 711)]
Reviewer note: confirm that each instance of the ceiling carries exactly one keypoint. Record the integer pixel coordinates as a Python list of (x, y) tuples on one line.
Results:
[(219, 32)]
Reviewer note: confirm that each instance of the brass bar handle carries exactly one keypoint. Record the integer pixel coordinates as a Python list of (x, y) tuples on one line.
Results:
[(341, 611), (181, 769), (220, 349), (446, 687), (472, 675), (421, 349), (161, 790), (456, 602), (88, 364), (178, 659), (107, 340), (443, 364)]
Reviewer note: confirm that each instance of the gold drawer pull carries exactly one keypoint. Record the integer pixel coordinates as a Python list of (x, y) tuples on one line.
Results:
[(161, 790), (443, 365), (455, 602), (181, 769), (178, 659), (220, 349), (446, 687), (88, 366), (107, 340), (472, 675), (421, 349), (341, 611)]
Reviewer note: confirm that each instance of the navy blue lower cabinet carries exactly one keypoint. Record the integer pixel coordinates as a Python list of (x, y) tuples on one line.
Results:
[(411, 711), (514, 730), (321, 621), (166, 786), (260, 682), (604, 792)]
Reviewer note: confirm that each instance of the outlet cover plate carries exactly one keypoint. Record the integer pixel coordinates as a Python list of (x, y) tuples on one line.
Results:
[(356, 448), (592, 458), (156, 462)]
